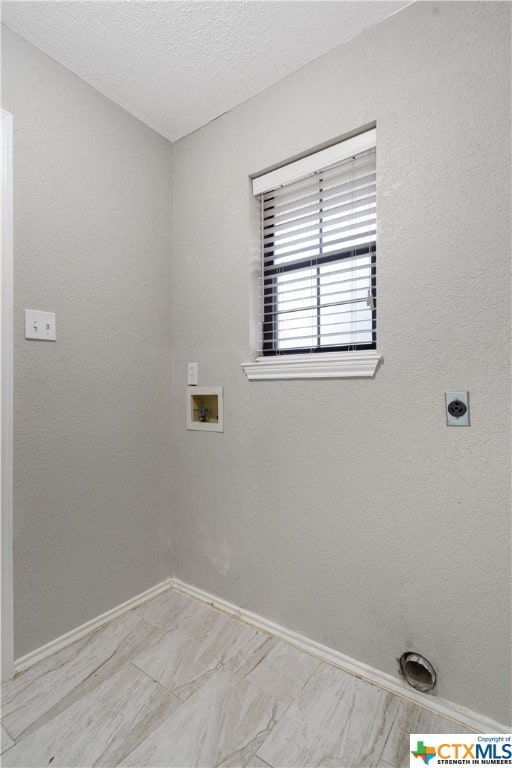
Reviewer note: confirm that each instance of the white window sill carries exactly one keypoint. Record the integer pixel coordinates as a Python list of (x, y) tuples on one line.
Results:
[(331, 365)]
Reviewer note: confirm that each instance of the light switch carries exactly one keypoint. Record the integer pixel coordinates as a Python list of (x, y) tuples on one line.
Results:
[(192, 374), (40, 325)]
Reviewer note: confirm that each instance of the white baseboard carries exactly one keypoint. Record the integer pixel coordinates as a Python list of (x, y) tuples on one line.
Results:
[(459, 715), (473, 721), (76, 634)]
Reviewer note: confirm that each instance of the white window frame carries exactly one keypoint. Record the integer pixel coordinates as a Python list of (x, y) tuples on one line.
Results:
[(327, 365)]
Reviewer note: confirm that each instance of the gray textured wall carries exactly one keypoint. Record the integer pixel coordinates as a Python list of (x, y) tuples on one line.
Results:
[(92, 233), (334, 507)]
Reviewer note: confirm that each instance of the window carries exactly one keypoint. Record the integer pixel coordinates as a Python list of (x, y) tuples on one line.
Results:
[(318, 224)]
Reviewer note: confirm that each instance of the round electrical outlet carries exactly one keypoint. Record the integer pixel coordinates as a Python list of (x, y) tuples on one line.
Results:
[(457, 408)]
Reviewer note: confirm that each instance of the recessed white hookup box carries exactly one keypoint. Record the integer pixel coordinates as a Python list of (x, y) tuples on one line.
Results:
[(205, 409)]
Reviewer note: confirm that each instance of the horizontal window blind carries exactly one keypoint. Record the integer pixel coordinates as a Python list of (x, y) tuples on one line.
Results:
[(319, 260)]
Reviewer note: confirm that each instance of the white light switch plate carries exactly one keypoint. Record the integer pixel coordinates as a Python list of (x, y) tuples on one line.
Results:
[(40, 325), (192, 374)]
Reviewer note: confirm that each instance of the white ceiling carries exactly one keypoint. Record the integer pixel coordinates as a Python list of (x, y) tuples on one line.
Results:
[(178, 65)]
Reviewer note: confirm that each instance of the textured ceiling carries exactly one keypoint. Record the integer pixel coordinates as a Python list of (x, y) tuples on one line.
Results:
[(177, 65)]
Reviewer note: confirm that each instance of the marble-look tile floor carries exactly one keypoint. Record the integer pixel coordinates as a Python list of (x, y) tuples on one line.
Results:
[(176, 682)]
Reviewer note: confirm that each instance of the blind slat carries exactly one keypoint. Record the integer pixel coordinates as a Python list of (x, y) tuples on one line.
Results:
[(282, 259), (310, 283), (271, 278), (342, 211), (351, 332), (331, 186), (323, 235), (285, 305), (289, 312), (350, 199), (343, 189)]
